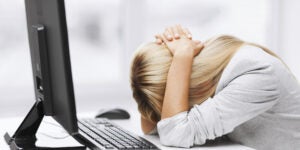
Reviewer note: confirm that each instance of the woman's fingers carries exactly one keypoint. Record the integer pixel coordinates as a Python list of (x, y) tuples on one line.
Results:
[(169, 34), (164, 38), (187, 33), (173, 33), (180, 30), (159, 39), (176, 32)]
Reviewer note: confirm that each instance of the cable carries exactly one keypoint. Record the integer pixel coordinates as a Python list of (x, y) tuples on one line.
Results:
[(53, 124), (53, 137)]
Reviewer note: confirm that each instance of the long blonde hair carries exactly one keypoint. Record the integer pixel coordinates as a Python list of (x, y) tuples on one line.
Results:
[(151, 63)]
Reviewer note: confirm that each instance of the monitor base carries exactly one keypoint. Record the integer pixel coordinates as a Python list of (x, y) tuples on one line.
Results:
[(14, 146), (25, 135)]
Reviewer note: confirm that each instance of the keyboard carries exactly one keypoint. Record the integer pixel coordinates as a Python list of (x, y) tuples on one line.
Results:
[(111, 136)]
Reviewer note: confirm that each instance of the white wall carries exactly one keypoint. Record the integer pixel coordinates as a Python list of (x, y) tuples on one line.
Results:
[(289, 34)]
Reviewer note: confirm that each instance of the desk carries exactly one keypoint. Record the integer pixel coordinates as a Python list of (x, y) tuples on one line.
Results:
[(11, 124)]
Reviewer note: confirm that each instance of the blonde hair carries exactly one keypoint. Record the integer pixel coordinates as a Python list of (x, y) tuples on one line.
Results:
[(151, 63)]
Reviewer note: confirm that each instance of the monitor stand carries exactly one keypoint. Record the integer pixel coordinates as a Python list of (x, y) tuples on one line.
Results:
[(25, 135)]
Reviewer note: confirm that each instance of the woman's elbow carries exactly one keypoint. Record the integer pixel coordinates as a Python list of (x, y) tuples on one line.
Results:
[(176, 142), (178, 136), (146, 130), (147, 126)]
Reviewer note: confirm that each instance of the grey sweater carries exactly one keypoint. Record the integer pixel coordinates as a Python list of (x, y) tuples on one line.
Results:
[(257, 104)]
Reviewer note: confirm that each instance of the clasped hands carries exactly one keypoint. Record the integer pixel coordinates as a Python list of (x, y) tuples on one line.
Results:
[(179, 41)]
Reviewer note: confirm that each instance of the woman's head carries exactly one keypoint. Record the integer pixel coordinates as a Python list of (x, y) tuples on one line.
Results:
[(151, 64), (149, 71)]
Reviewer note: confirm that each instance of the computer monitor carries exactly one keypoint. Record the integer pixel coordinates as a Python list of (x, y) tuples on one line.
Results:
[(55, 88), (50, 58)]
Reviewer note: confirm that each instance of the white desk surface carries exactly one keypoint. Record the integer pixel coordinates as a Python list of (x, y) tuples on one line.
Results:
[(11, 124)]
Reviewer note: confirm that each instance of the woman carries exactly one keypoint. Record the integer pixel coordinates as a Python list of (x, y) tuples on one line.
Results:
[(231, 87)]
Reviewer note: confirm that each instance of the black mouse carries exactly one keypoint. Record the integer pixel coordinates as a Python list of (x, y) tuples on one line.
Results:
[(115, 113)]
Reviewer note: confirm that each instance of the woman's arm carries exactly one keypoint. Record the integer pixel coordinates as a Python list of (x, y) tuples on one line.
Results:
[(183, 50), (177, 88), (176, 96), (250, 89)]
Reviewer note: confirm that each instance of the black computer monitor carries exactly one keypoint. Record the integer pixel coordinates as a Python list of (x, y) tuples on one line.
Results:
[(55, 88), (50, 58)]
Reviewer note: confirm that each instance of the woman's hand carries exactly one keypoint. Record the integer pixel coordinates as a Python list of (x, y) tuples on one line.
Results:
[(179, 41), (173, 35)]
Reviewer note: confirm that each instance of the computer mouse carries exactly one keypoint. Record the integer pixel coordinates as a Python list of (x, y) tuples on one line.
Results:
[(115, 113)]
